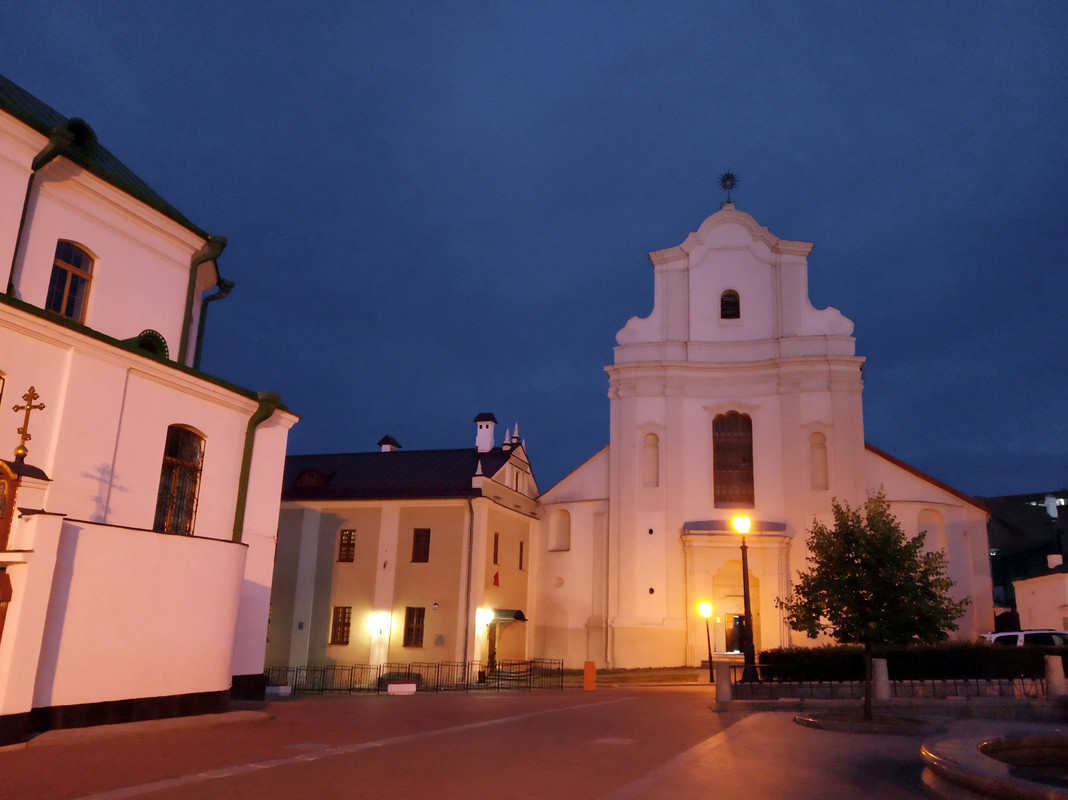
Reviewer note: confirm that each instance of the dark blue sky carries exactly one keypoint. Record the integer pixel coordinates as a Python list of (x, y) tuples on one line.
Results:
[(437, 209)]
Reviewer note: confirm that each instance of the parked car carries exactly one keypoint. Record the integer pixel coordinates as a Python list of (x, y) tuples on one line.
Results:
[(1042, 637)]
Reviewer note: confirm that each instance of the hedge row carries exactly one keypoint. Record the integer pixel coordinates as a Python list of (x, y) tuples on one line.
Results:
[(952, 660)]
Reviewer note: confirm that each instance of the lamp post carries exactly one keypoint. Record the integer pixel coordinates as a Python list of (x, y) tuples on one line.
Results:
[(742, 524), (705, 610)]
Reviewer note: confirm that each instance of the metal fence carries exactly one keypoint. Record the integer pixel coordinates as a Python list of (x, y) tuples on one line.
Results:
[(439, 676), (769, 683)]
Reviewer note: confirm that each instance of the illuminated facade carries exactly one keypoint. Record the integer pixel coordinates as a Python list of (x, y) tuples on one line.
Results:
[(402, 556), (137, 519), (734, 396)]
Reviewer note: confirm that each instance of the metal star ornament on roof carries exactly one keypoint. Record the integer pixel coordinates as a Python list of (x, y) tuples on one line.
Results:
[(728, 181)]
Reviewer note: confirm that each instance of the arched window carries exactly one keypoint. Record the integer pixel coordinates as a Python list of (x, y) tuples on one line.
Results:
[(732, 460), (68, 287), (560, 530), (730, 305), (650, 460), (179, 482), (817, 462)]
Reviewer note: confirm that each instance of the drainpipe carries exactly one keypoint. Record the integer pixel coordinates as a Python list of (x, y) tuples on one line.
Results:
[(211, 250), (470, 554), (224, 286), (269, 403), (59, 141)]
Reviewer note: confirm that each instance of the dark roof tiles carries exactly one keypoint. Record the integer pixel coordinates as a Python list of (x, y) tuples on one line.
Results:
[(378, 475)]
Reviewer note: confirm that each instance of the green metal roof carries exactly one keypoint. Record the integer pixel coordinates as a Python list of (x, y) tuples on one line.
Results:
[(89, 154)]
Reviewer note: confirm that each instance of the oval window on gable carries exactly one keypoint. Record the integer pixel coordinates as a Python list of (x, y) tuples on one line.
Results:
[(730, 305)]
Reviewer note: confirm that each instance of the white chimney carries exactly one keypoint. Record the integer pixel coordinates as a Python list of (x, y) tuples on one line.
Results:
[(1054, 560), (484, 433), (389, 444)]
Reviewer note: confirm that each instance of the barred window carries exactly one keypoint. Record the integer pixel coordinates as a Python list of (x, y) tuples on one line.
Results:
[(732, 460), (346, 550), (421, 545), (730, 305), (179, 482), (68, 288), (496, 548), (339, 625), (413, 626)]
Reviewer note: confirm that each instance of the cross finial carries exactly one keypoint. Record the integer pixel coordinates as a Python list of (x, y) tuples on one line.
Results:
[(21, 452)]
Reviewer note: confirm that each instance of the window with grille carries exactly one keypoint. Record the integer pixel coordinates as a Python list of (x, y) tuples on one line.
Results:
[(68, 288), (521, 555), (732, 460), (340, 624), (179, 482), (496, 547), (421, 545), (413, 626), (730, 305), (346, 549)]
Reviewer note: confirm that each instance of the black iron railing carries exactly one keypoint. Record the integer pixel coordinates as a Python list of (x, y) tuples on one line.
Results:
[(439, 676)]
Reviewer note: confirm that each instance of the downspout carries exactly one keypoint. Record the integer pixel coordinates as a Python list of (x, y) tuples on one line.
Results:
[(211, 250), (59, 140), (224, 286), (269, 403), (470, 555)]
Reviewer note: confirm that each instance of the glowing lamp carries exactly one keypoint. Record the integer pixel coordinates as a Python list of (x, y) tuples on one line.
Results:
[(378, 622), (741, 524), (483, 617), (704, 609)]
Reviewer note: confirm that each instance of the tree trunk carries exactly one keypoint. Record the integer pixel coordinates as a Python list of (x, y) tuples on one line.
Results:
[(867, 680)]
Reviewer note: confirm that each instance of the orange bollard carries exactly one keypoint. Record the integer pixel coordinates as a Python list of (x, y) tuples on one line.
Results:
[(589, 677)]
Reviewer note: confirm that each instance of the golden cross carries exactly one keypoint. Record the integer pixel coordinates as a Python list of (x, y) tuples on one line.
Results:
[(21, 452)]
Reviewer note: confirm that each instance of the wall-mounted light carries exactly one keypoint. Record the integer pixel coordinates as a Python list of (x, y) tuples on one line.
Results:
[(483, 617), (435, 606), (378, 623)]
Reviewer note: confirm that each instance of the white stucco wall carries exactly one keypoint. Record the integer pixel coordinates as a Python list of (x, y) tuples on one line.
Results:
[(137, 614), (1042, 602)]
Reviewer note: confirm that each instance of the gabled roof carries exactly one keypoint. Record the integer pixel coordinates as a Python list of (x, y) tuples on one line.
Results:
[(94, 157), (378, 475), (924, 476)]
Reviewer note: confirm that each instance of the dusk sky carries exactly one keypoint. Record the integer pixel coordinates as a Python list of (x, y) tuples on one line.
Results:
[(438, 209)]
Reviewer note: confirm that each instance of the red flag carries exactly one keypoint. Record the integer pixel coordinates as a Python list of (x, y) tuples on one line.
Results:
[(497, 578)]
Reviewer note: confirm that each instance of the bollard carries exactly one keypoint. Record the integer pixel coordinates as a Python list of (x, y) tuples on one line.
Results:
[(589, 677), (1055, 677), (723, 684), (880, 679)]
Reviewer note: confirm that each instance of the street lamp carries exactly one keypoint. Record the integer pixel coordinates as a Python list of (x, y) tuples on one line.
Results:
[(742, 524), (704, 608)]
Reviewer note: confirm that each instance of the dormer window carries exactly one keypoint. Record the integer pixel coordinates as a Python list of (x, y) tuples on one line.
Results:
[(310, 479), (68, 287), (730, 305)]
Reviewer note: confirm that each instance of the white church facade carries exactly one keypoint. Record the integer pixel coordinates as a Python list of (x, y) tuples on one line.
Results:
[(138, 495), (734, 396)]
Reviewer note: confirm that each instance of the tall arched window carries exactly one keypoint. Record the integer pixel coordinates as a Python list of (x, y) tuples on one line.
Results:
[(732, 460), (730, 305), (817, 461), (650, 460), (179, 482), (68, 287)]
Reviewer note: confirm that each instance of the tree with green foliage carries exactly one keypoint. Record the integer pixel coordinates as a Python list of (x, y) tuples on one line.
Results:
[(870, 584)]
